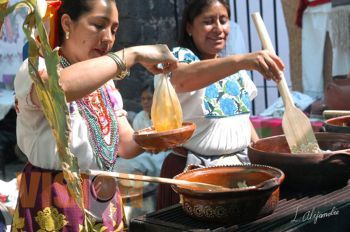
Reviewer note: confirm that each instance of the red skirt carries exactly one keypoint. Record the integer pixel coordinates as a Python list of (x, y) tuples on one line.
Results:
[(44, 204)]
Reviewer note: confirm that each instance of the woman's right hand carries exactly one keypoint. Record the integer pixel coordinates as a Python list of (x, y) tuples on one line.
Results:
[(150, 56), (267, 63)]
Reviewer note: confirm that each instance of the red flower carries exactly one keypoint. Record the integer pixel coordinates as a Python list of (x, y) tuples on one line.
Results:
[(51, 13)]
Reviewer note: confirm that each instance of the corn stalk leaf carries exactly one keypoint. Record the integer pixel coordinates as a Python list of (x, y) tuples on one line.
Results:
[(52, 98)]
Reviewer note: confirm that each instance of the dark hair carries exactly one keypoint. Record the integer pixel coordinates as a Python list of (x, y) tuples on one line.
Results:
[(191, 11), (75, 9), (147, 86)]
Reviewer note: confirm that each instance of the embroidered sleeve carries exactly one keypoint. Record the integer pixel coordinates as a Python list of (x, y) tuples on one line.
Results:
[(184, 55)]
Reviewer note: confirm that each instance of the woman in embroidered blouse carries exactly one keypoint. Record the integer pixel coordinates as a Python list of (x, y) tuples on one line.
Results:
[(215, 92), (99, 128)]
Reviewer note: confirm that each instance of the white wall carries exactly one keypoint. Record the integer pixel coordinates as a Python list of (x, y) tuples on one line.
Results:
[(283, 44)]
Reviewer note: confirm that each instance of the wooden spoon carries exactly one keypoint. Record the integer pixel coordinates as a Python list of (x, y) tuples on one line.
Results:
[(335, 113), (162, 180), (296, 125), (338, 151)]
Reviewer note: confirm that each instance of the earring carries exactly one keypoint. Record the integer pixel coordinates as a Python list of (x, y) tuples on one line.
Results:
[(189, 34), (67, 35)]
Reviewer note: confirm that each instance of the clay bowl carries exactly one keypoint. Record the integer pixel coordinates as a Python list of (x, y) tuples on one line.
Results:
[(309, 170), (338, 124), (239, 205), (149, 139)]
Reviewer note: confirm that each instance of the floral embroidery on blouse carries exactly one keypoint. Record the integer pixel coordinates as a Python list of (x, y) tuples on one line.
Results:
[(184, 55), (49, 219), (223, 98)]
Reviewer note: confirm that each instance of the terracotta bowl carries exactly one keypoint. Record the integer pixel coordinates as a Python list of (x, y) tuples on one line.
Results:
[(149, 139), (338, 124), (239, 205), (309, 170)]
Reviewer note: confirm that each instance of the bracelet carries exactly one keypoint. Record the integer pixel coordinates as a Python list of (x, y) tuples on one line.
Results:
[(124, 72)]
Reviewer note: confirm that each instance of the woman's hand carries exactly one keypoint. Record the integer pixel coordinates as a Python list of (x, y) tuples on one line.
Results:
[(267, 63), (150, 56)]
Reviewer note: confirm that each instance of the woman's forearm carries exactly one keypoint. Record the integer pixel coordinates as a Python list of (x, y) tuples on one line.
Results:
[(194, 76), (128, 148), (82, 78)]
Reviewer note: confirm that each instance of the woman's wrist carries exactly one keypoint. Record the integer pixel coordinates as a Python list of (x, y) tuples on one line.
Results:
[(130, 57), (120, 61), (241, 62), (137, 53)]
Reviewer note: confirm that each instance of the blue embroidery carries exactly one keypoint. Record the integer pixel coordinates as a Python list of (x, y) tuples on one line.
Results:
[(212, 92), (227, 106), (223, 98), (232, 88)]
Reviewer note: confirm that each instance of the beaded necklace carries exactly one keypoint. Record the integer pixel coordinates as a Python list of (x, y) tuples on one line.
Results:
[(97, 112)]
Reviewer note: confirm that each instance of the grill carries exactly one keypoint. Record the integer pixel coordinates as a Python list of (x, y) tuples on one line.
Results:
[(308, 211)]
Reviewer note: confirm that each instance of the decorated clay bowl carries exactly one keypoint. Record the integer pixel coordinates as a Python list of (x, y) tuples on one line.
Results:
[(309, 170), (257, 197), (338, 124), (150, 139)]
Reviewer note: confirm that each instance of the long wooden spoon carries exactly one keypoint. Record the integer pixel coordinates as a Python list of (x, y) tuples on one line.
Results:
[(296, 125), (335, 113), (162, 180)]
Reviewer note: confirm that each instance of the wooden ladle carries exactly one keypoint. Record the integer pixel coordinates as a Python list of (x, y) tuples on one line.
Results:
[(296, 125), (162, 180)]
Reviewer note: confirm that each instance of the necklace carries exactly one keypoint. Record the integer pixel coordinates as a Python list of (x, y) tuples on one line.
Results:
[(97, 111), (64, 62)]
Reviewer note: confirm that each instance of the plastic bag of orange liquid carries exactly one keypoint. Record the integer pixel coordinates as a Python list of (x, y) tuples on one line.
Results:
[(166, 112)]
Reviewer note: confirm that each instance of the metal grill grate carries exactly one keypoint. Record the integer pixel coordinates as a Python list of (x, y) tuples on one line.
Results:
[(293, 211)]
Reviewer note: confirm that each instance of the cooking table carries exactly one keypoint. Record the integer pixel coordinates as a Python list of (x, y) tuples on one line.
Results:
[(268, 126), (326, 210)]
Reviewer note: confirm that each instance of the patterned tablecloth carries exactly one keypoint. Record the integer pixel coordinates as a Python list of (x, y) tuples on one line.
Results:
[(266, 126), (7, 101)]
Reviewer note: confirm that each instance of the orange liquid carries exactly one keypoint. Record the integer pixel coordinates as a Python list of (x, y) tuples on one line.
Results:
[(166, 110)]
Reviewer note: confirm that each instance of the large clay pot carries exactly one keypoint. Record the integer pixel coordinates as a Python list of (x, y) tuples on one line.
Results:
[(309, 170), (338, 124), (235, 206), (337, 93)]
